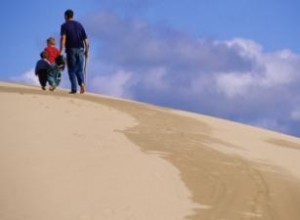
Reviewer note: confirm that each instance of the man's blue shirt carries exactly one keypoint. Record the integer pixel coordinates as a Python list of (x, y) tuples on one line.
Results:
[(75, 34)]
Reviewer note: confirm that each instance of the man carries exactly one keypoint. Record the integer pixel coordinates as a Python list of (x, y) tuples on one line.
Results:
[(76, 44)]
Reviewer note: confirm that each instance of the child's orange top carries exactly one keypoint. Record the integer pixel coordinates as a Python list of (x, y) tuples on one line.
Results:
[(52, 51)]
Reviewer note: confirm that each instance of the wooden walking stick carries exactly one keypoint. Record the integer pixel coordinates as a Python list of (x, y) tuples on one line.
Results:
[(85, 70)]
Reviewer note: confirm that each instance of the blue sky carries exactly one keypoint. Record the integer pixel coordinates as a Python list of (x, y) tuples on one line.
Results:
[(234, 59)]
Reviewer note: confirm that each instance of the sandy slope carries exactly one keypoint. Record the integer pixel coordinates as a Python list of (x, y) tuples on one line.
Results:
[(90, 157)]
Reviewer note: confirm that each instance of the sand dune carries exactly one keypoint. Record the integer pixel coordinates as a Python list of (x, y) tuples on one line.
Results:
[(91, 157)]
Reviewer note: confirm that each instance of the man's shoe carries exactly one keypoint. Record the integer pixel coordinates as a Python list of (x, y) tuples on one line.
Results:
[(82, 89), (72, 92)]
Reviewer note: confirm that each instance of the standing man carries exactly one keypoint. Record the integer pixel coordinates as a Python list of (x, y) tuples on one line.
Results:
[(76, 44)]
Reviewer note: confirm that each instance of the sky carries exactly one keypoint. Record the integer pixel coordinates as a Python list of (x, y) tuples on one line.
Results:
[(232, 59)]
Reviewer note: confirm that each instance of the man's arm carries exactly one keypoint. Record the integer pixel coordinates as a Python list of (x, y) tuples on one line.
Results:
[(87, 47), (62, 43)]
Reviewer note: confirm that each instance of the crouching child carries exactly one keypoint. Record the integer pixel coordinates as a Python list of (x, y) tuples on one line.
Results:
[(54, 72), (41, 69)]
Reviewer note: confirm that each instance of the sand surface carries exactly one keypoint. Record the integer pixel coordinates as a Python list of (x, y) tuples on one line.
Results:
[(91, 157)]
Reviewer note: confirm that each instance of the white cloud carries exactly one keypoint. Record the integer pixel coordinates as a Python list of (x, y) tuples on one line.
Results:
[(234, 84), (295, 114), (246, 47), (115, 84), (28, 77), (155, 79), (273, 71)]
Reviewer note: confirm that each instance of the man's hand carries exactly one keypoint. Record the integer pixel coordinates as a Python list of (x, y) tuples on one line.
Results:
[(86, 53)]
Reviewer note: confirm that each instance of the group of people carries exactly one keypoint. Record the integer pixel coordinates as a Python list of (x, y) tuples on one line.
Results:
[(74, 42)]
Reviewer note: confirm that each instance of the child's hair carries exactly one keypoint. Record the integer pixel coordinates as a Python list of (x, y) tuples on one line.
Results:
[(43, 54), (51, 41)]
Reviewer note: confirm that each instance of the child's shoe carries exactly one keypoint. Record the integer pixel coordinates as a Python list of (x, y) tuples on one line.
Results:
[(51, 88)]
